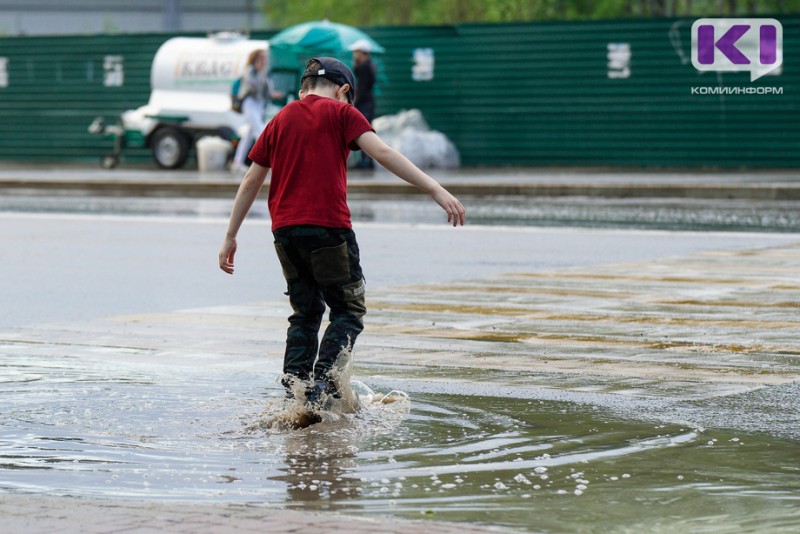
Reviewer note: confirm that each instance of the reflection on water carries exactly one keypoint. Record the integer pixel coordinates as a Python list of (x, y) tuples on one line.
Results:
[(162, 431)]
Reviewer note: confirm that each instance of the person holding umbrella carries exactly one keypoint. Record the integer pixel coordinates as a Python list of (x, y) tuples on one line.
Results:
[(364, 70)]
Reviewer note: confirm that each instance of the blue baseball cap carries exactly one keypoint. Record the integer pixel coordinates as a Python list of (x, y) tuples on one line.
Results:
[(334, 70)]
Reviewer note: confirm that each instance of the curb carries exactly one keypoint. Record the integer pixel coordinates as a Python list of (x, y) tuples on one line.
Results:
[(227, 189)]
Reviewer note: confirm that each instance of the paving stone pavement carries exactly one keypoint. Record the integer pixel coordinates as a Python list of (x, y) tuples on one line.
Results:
[(702, 326)]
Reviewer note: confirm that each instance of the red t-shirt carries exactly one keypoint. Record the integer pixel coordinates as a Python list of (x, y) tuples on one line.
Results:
[(306, 145)]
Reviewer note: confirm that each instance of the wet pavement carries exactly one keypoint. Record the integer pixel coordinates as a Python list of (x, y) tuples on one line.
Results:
[(687, 331), (651, 387), (46, 514)]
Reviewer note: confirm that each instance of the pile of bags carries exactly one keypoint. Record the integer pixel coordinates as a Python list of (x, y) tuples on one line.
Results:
[(408, 133)]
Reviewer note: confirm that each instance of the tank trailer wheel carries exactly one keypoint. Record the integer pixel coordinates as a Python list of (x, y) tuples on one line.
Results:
[(170, 148)]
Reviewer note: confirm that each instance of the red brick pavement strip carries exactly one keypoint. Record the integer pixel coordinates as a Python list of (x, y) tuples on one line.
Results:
[(35, 514)]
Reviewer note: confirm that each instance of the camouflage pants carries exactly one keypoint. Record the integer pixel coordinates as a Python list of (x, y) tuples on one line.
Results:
[(321, 266)]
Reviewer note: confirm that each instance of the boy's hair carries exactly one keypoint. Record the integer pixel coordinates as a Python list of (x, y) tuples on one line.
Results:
[(312, 81)]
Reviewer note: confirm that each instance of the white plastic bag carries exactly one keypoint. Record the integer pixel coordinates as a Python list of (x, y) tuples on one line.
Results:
[(408, 133)]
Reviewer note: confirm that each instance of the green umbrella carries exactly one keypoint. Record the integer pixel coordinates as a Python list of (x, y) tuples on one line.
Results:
[(295, 45)]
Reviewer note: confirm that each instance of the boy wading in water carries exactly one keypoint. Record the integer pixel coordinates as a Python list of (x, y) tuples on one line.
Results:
[(306, 146)]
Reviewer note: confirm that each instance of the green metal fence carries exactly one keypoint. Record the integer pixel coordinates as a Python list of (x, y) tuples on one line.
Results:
[(607, 93), (545, 94), (57, 85)]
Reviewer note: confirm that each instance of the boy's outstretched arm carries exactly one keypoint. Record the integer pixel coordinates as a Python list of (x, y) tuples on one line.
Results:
[(399, 165), (247, 194)]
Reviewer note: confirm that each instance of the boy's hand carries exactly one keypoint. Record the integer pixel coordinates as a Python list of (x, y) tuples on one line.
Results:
[(450, 204), (226, 254)]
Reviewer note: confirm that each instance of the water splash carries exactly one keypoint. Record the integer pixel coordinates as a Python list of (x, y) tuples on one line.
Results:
[(353, 403), (360, 410)]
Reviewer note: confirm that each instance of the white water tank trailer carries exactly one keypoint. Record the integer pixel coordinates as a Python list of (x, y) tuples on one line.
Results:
[(191, 80)]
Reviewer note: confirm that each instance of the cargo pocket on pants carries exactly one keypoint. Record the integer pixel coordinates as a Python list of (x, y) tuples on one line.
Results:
[(289, 270), (331, 265), (354, 297)]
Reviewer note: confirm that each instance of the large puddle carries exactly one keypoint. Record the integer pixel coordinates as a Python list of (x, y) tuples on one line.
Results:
[(136, 429)]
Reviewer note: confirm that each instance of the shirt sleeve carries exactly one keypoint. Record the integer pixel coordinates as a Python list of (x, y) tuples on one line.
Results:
[(246, 87), (355, 124), (261, 153)]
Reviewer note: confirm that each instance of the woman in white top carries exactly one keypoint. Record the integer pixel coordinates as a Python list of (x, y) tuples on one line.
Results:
[(253, 93)]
